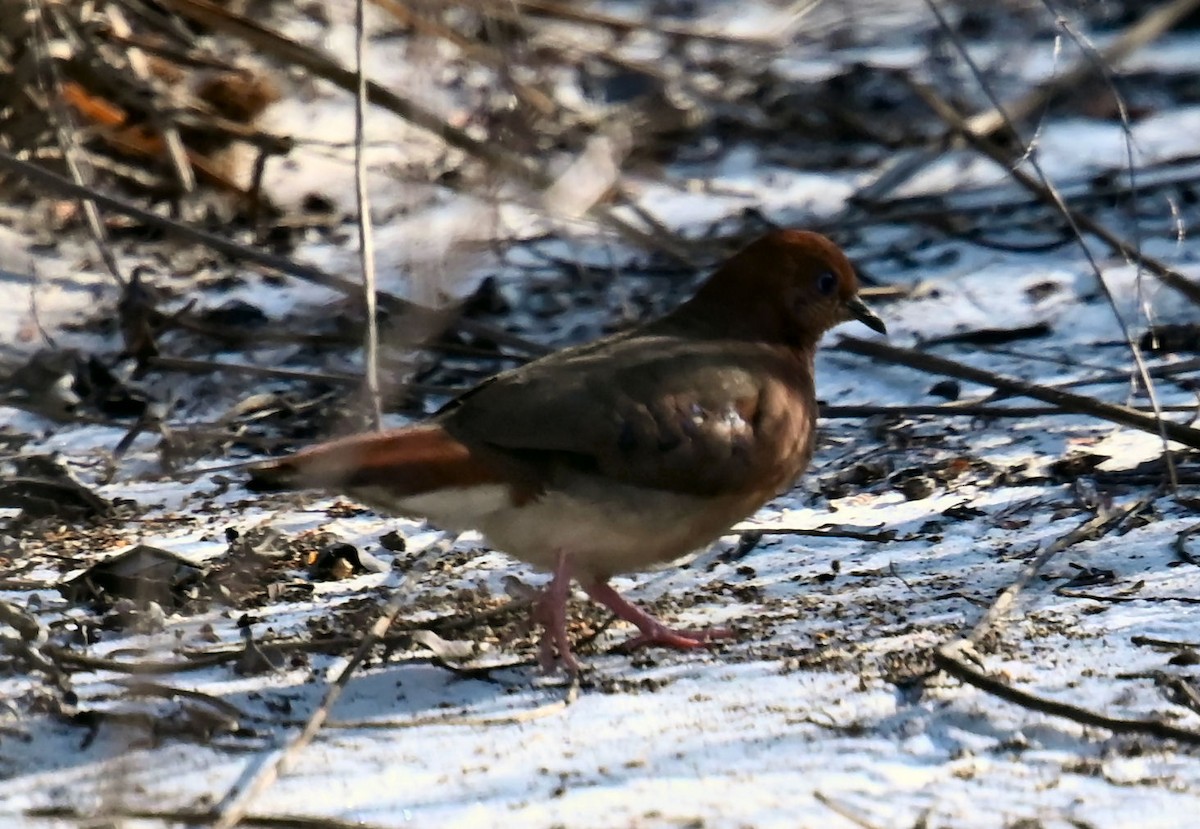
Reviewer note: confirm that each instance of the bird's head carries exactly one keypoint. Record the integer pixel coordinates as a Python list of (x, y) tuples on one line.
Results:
[(787, 286)]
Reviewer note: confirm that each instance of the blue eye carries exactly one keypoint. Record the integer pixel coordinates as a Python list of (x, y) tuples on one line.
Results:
[(827, 282)]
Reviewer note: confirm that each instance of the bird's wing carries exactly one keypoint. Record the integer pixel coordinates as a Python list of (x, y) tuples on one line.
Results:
[(704, 418)]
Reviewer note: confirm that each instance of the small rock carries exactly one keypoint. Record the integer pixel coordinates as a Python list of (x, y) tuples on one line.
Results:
[(917, 487)]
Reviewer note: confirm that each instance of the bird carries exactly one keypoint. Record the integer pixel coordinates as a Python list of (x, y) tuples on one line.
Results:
[(625, 453)]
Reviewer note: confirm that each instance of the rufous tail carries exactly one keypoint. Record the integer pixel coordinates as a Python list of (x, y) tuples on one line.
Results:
[(407, 461)]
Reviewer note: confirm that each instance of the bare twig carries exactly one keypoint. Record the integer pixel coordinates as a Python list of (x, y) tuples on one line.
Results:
[(366, 236), (969, 409), (1165, 370), (904, 165), (327, 377), (1065, 400), (1164, 15), (844, 811), (69, 657), (1181, 541), (819, 532), (244, 253), (67, 143), (954, 659), (222, 708), (1146, 30), (325, 66), (1165, 274), (1155, 642), (238, 802), (550, 708), (1055, 199), (1125, 597), (574, 13), (172, 141), (211, 366), (194, 817), (1090, 529)]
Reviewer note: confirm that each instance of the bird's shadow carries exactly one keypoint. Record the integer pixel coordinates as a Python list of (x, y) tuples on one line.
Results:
[(118, 722)]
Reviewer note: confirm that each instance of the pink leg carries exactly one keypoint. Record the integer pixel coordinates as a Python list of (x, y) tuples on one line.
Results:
[(550, 611), (653, 631)]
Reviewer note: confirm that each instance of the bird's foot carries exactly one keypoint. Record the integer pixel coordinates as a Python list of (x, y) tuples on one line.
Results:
[(656, 633), (653, 631), (550, 611)]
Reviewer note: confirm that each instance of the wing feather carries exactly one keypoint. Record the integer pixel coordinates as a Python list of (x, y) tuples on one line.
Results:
[(665, 413)]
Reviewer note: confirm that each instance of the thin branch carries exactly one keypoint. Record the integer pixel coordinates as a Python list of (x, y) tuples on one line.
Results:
[(1056, 200), (366, 235), (66, 141), (1068, 401), (193, 817), (1164, 370), (954, 661), (326, 66), (172, 141), (555, 706), (1165, 274), (843, 811), (971, 409), (237, 803), (574, 13), (1146, 30), (955, 657), (1088, 530), (238, 252), (905, 164), (818, 532), (1126, 597), (326, 377), (1180, 544)]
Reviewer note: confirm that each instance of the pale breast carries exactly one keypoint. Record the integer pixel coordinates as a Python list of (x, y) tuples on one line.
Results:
[(616, 529)]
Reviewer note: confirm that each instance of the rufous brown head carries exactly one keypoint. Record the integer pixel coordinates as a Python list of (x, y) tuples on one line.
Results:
[(789, 286)]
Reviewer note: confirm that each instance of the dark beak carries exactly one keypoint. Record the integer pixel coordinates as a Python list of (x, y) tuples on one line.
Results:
[(859, 311)]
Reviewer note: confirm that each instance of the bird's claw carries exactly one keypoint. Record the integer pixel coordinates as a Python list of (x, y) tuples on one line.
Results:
[(679, 639)]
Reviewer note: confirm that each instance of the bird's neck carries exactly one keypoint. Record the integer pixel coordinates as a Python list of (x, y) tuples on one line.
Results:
[(704, 317)]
